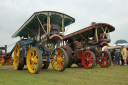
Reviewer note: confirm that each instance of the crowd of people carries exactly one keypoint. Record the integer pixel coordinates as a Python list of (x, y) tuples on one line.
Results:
[(119, 56)]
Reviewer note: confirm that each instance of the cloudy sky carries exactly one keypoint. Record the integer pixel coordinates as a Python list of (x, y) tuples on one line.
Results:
[(13, 14)]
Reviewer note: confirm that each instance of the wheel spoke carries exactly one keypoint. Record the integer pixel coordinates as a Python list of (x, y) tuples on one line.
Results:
[(58, 53), (87, 55)]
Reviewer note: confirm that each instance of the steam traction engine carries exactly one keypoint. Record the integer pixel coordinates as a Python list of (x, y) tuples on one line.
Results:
[(39, 36), (84, 47), (5, 58)]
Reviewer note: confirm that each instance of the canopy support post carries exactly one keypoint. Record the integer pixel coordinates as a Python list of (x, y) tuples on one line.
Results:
[(39, 32), (41, 24), (108, 34), (83, 37), (96, 34), (31, 30), (105, 33), (67, 28), (48, 24), (28, 35), (62, 26)]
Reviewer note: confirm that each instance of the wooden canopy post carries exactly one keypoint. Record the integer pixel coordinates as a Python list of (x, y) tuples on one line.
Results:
[(67, 28), (39, 32), (108, 34), (48, 24), (62, 26), (41, 24), (96, 34), (28, 35)]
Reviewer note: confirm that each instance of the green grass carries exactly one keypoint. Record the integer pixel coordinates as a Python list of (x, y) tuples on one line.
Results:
[(114, 75)]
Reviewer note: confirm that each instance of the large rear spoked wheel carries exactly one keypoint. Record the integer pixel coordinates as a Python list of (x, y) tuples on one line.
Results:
[(88, 59), (60, 59), (1, 61), (17, 64), (34, 60), (69, 54), (105, 59)]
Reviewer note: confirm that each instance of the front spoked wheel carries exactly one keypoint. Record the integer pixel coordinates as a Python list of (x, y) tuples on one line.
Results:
[(69, 54), (60, 59), (105, 59), (88, 59), (34, 60)]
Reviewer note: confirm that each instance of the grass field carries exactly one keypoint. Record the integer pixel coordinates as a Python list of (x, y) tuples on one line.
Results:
[(114, 75)]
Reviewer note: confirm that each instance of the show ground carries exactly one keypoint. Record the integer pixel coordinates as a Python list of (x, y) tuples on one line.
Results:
[(113, 75)]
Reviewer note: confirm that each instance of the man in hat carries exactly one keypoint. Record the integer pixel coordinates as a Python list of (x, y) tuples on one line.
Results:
[(124, 54)]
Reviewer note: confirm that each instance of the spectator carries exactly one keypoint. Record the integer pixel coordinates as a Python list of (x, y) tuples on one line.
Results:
[(121, 59), (124, 54), (117, 57), (127, 55), (112, 53)]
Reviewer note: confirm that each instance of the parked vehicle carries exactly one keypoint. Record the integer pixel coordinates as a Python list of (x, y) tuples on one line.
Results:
[(5, 58), (84, 47), (39, 36)]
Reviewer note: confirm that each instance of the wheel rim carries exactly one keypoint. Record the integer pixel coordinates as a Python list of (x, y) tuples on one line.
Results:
[(88, 60), (16, 56), (32, 60), (1, 61), (65, 50), (104, 61), (9, 61), (58, 63), (69, 55)]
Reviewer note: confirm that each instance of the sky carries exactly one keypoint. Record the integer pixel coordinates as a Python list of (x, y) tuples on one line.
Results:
[(14, 13)]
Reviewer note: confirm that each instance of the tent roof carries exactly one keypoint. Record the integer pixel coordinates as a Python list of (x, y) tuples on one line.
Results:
[(120, 41)]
